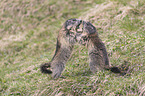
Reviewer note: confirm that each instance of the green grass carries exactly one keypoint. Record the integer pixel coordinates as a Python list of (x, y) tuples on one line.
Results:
[(28, 32)]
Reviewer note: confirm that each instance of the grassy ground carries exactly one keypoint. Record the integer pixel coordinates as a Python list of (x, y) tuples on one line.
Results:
[(28, 32)]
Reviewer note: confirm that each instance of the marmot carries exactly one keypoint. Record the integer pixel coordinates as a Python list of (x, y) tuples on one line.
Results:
[(75, 30)]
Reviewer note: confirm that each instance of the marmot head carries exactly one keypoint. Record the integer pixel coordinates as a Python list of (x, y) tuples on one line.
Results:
[(72, 24), (70, 30), (89, 28)]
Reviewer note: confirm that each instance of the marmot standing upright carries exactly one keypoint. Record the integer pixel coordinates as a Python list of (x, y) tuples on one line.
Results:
[(75, 30)]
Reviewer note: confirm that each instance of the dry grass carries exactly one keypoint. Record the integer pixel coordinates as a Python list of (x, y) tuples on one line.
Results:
[(28, 32)]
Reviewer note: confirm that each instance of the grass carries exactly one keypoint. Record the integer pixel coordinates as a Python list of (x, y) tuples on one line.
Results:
[(28, 32)]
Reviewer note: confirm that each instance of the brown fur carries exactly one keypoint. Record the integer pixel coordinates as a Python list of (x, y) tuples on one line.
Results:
[(65, 42), (85, 33), (98, 56)]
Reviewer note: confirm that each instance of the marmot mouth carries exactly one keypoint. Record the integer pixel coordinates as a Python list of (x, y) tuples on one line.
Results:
[(79, 29)]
